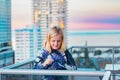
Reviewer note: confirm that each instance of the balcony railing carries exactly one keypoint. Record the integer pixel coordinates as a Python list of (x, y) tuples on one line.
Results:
[(95, 54), (26, 68), (98, 52), (105, 75), (98, 57)]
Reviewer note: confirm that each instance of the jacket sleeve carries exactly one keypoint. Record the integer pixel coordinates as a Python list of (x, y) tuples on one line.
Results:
[(70, 60), (40, 58)]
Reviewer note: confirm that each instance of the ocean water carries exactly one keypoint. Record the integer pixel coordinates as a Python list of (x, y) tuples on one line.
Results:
[(93, 38)]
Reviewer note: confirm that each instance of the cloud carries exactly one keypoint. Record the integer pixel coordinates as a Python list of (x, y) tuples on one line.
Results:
[(103, 19), (92, 26)]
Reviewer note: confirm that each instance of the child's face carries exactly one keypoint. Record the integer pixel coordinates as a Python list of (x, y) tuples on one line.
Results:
[(55, 42)]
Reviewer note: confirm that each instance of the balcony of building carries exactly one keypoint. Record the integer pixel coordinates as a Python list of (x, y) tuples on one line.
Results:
[(93, 63)]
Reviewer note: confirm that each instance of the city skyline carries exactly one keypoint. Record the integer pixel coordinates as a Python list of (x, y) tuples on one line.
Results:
[(87, 15)]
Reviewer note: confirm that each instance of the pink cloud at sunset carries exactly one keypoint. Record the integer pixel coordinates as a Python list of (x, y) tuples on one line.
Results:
[(94, 15), (92, 26)]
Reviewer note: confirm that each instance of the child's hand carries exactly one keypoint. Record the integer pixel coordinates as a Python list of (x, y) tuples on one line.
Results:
[(48, 61)]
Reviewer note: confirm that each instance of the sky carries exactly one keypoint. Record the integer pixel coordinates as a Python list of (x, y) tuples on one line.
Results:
[(82, 14), (21, 13)]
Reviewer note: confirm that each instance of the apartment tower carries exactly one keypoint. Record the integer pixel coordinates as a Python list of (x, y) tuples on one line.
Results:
[(6, 51), (49, 13), (28, 42)]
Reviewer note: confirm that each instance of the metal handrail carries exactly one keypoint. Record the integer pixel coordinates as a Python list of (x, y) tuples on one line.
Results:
[(17, 65), (94, 47), (105, 75), (51, 72)]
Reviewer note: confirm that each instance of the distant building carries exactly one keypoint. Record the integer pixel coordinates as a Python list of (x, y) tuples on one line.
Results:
[(6, 52), (27, 43), (48, 13)]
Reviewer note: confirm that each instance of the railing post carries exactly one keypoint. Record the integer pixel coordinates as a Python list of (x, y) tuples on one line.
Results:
[(113, 58), (106, 76), (0, 77), (113, 62)]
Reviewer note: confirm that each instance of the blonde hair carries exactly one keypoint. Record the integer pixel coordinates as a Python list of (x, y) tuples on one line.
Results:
[(54, 31)]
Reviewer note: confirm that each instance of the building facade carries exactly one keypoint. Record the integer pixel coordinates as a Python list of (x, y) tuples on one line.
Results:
[(48, 13), (27, 43), (6, 52)]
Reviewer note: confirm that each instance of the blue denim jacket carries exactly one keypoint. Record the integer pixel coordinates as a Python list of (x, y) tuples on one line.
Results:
[(60, 61)]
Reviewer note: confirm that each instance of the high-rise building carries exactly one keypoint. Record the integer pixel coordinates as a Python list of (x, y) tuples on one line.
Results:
[(6, 52), (27, 43), (48, 13)]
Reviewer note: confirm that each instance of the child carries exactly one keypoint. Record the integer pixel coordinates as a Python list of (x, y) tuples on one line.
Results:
[(54, 55)]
